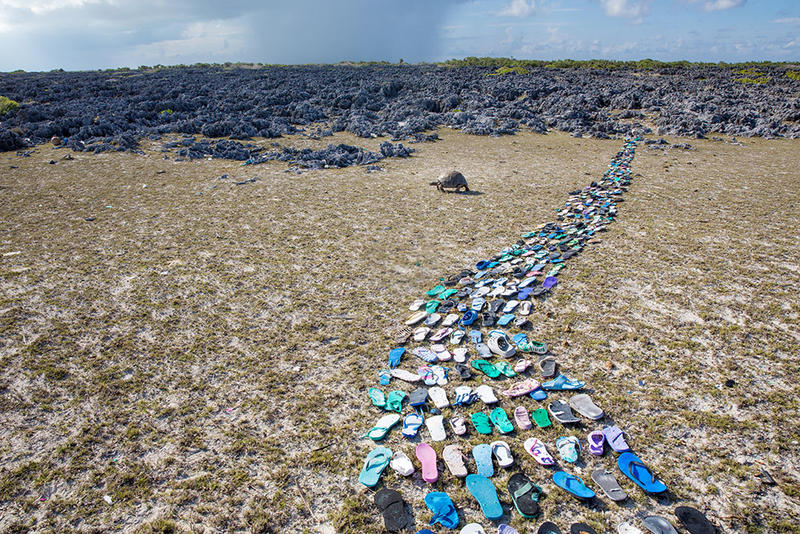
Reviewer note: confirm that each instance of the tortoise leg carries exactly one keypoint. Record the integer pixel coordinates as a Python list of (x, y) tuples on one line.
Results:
[(466, 188)]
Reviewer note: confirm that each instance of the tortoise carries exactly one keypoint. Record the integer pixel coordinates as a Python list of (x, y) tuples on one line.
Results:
[(451, 180)]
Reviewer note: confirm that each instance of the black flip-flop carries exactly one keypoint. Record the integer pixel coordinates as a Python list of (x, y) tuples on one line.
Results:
[(418, 397), (694, 520), (393, 509), (488, 319), (463, 371), (548, 527), (581, 528), (496, 305), (524, 495), (608, 483), (562, 413)]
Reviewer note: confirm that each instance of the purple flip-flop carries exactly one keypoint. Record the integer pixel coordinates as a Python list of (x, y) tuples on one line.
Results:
[(549, 282), (596, 441), (615, 438)]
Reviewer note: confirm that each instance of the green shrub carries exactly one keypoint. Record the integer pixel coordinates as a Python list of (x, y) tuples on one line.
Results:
[(509, 70), (6, 105), (793, 75)]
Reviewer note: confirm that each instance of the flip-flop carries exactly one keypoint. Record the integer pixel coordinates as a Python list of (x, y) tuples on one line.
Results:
[(568, 448), (496, 305), (572, 485), (608, 483), (505, 368), (485, 367), (424, 354), (454, 461), (411, 425), (581, 528), (550, 282), (441, 334), (525, 307), (415, 317), (499, 418), (458, 425), (427, 456), (447, 293), (431, 306), (475, 336), (432, 319), (441, 352), (658, 525), (401, 464), (440, 374), (439, 397), (435, 291), (548, 367), (583, 404), (374, 464), (435, 424), (562, 383), (444, 512), (632, 467), (392, 508), (505, 319), (472, 528), (548, 528), (477, 303), (481, 423), (486, 394), (468, 318), (502, 452), (377, 397), (385, 376), (421, 333), (418, 397), (506, 529), (427, 376), (486, 494), (416, 305), (488, 319), (694, 520), (521, 388), (395, 355), (615, 438), (450, 320), (394, 401), (596, 441), (561, 412), (538, 394), (521, 366), (510, 306), (456, 337), (522, 418), (525, 495), (382, 427), (483, 350), (498, 343), (541, 418), (460, 354), (538, 450), (483, 459), (464, 396), (463, 371)]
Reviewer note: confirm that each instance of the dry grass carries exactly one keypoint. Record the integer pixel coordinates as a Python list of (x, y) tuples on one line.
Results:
[(200, 351)]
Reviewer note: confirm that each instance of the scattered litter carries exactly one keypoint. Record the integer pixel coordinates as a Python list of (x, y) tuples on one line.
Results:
[(107, 498)]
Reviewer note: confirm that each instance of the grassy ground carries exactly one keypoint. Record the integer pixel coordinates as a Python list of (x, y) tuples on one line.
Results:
[(199, 351)]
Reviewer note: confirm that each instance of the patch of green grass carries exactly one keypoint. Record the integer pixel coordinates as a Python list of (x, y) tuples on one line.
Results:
[(793, 75), (7, 105), (509, 70)]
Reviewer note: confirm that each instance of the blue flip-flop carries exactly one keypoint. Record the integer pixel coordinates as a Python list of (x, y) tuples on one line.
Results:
[(486, 494), (411, 425), (633, 468), (562, 383), (444, 511), (475, 336), (483, 459), (394, 357), (482, 265), (572, 484), (505, 319), (468, 318), (374, 464)]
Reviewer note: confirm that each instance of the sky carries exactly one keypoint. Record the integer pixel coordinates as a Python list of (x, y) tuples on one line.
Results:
[(99, 34)]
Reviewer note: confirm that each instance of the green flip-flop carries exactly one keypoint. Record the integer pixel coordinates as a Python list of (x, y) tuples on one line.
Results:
[(435, 291), (541, 418), (500, 420), (481, 422), (394, 401), (377, 397), (447, 293), (486, 368), (505, 368), (431, 306)]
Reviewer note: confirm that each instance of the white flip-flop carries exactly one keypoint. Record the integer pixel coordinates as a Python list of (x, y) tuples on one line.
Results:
[(460, 354), (436, 429), (502, 452), (406, 376), (486, 394), (401, 463), (439, 397), (454, 461)]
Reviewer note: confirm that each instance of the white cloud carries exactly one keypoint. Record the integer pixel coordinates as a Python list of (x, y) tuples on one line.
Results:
[(39, 7), (787, 20), (630, 9), (519, 8), (215, 39), (721, 5)]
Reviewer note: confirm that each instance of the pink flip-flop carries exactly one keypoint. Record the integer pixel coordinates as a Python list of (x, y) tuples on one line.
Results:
[(427, 456), (522, 388), (522, 418)]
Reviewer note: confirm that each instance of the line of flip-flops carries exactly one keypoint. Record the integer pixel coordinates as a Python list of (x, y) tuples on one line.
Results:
[(511, 279)]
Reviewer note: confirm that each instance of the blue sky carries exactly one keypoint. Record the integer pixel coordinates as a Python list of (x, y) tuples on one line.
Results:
[(92, 34)]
